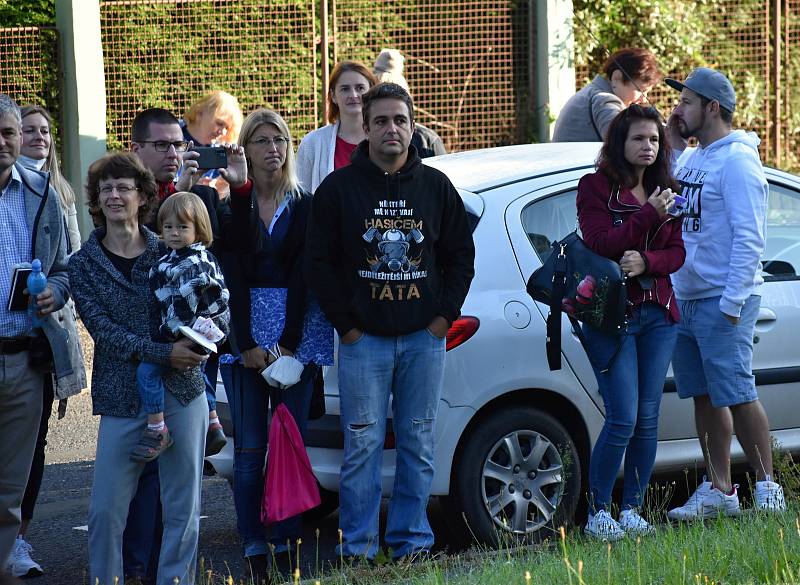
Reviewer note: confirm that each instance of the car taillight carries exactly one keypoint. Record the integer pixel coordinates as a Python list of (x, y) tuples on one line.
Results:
[(461, 330)]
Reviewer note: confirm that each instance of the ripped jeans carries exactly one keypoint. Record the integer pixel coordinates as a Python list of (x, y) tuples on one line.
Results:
[(410, 369)]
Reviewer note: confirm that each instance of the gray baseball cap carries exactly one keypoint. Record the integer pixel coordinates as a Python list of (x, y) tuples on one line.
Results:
[(709, 83)]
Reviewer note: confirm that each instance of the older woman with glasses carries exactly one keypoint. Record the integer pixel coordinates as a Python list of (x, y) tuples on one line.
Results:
[(109, 280), (272, 314)]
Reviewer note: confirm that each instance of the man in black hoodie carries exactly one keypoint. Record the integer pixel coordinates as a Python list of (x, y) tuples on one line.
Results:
[(390, 258)]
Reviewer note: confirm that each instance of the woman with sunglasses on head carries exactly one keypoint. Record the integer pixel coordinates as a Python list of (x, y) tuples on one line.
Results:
[(627, 76), (624, 214), (329, 148), (272, 315)]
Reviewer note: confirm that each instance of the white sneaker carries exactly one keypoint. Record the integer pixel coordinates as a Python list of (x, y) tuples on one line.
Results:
[(716, 503), (691, 509), (20, 563), (604, 527), (632, 523), (769, 496)]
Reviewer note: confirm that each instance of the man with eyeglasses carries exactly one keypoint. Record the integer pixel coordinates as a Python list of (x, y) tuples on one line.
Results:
[(32, 228), (157, 139)]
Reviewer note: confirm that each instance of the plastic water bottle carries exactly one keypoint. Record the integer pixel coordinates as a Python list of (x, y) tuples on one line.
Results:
[(37, 282)]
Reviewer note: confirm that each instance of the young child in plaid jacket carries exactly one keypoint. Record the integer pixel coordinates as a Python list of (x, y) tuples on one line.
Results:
[(190, 292)]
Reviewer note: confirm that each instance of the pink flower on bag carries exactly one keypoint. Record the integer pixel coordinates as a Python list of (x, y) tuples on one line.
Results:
[(585, 290), (567, 306)]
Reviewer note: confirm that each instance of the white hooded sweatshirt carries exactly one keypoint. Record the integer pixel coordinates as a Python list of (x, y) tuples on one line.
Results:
[(724, 222)]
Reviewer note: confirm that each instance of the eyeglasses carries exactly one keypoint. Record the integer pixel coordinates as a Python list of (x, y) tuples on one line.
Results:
[(277, 142), (121, 189), (163, 145)]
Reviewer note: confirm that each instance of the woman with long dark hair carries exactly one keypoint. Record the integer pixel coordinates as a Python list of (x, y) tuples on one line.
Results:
[(624, 214)]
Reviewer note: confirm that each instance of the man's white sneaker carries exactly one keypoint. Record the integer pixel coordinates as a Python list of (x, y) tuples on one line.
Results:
[(20, 563), (632, 523), (693, 506), (769, 496), (604, 527), (717, 503)]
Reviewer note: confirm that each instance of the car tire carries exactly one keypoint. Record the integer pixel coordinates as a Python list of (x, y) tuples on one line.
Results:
[(329, 503), (500, 493)]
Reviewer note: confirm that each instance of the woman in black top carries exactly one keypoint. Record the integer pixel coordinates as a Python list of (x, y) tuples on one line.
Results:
[(271, 314)]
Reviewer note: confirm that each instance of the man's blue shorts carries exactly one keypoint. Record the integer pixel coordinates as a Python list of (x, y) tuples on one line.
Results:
[(714, 357)]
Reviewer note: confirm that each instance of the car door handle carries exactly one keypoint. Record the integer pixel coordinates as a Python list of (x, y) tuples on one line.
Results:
[(766, 315)]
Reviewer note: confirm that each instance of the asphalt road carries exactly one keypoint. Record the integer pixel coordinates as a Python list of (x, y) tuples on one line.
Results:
[(58, 531)]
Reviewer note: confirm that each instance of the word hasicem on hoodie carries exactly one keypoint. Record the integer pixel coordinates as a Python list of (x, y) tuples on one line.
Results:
[(388, 252), (724, 221)]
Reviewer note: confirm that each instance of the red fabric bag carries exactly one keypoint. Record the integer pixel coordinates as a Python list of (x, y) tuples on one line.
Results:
[(290, 487)]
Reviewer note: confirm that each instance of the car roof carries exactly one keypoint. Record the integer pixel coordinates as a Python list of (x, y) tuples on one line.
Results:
[(489, 168)]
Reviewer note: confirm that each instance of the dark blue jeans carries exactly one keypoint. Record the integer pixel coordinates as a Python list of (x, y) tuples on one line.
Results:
[(631, 389), (250, 399)]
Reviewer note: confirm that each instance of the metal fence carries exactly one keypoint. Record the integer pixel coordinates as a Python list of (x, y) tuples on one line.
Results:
[(30, 67), (168, 53), (466, 61), (741, 41)]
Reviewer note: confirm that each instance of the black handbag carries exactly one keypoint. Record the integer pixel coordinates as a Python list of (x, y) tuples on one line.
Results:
[(586, 286)]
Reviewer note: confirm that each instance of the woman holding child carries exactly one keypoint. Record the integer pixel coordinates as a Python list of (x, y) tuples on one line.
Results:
[(109, 282), (623, 211), (271, 315)]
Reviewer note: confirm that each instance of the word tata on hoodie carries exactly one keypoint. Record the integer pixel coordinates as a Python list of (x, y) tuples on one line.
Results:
[(394, 255)]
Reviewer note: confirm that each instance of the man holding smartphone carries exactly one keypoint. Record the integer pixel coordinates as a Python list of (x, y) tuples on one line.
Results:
[(157, 139), (32, 221), (718, 291)]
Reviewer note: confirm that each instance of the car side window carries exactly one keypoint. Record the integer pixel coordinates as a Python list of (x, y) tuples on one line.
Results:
[(550, 219), (782, 254)]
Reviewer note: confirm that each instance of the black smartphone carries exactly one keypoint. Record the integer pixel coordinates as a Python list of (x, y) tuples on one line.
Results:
[(211, 157), (17, 300)]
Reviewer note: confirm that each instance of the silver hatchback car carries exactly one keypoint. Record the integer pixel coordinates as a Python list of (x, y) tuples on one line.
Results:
[(513, 438)]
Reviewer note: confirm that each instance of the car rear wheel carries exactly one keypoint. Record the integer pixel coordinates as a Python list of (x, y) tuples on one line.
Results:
[(518, 476)]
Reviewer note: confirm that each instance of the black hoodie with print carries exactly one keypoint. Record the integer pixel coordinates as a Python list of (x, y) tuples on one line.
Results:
[(386, 253)]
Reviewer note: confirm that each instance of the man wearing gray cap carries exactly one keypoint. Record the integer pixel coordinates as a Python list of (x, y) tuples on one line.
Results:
[(718, 290)]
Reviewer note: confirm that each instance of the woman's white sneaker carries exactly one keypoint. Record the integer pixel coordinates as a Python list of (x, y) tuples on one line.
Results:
[(632, 523), (604, 527)]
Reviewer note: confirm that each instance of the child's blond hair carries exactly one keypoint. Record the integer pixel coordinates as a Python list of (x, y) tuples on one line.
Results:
[(188, 207)]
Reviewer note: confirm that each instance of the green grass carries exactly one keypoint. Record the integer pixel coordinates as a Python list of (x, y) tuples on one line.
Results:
[(755, 548)]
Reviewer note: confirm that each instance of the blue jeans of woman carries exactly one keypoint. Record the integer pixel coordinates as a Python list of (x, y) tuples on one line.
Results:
[(631, 389), (250, 399)]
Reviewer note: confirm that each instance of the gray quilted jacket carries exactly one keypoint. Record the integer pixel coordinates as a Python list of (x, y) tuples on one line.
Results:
[(117, 314)]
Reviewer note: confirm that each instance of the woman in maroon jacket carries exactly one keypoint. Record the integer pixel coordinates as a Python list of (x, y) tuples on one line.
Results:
[(623, 215)]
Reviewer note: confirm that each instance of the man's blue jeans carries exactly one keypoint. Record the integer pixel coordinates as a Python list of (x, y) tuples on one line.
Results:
[(631, 391), (410, 369), (250, 399)]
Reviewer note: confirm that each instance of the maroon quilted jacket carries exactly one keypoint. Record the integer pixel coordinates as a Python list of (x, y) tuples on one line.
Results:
[(658, 239)]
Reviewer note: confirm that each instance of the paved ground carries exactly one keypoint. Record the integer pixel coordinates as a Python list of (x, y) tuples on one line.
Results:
[(58, 532)]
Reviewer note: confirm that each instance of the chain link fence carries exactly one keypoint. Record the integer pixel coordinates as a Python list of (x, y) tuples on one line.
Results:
[(466, 62), (739, 41), (30, 67), (168, 53)]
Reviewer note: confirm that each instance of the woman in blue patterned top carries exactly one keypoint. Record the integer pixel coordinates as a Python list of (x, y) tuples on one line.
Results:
[(271, 309)]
